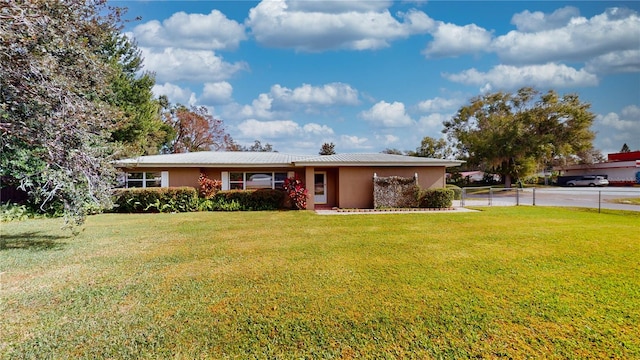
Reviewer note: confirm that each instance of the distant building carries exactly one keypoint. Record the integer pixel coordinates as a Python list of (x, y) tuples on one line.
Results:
[(622, 169)]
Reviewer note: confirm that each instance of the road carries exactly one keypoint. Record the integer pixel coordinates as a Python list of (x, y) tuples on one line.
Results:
[(570, 197)]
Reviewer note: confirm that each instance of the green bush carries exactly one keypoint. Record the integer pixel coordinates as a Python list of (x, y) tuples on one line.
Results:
[(11, 212), (436, 198), (457, 191), (19, 212), (246, 200), (153, 200)]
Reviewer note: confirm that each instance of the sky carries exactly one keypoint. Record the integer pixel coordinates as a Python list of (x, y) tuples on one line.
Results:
[(371, 75)]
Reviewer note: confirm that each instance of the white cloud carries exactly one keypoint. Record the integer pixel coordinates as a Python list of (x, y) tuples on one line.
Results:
[(328, 94), (615, 62), (317, 26), (281, 100), (630, 119), (317, 129), (387, 139), (512, 77), (173, 64), (284, 131), (527, 21), (387, 115), (353, 142), (175, 94), (615, 129), (439, 104), (212, 31), (337, 7), (254, 129), (216, 93), (579, 40), (433, 121), (260, 107), (454, 40)]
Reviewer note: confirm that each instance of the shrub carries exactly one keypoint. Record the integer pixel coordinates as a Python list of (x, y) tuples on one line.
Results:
[(11, 212), (234, 200), (29, 210), (295, 189), (138, 200), (208, 187), (457, 191), (436, 198)]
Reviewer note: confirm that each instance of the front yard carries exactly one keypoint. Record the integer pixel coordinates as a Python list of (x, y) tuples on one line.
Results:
[(510, 282)]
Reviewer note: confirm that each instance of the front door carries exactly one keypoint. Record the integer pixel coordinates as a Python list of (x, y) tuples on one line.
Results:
[(320, 187)]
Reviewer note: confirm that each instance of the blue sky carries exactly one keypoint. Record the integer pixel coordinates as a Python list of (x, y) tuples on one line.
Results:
[(370, 75)]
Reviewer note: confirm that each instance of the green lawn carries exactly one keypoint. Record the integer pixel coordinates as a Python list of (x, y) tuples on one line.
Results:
[(511, 282)]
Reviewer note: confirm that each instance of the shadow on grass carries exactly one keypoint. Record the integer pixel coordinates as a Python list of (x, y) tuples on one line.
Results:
[(34, 240)]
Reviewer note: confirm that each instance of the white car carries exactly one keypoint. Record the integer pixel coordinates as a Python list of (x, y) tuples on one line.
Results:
[(592, 180)]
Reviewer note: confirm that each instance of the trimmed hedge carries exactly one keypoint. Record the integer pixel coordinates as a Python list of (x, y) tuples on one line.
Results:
[(246, 200), (436, 198), (154, 200)]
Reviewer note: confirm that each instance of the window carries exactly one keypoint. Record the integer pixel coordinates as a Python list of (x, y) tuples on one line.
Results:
[(146, 179), (236, 181), (254, 180)]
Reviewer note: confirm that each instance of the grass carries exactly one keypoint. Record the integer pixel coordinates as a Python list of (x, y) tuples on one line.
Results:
[(511, 282)]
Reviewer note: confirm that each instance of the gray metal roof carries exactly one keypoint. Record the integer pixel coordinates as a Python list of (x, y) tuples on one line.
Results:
[(374, 159), (263, 159), (212, 159)]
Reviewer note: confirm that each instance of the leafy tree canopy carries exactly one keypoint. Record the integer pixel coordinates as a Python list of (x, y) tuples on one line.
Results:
[(432, 148), (55, 117), (515, 133), (194, 129)]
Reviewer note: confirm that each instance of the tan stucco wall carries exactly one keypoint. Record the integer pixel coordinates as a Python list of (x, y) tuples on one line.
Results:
[(356, 183), (308, 181), (184, 177)]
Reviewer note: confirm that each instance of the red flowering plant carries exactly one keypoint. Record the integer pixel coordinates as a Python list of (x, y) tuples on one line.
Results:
[(208, 187), (294, 187)]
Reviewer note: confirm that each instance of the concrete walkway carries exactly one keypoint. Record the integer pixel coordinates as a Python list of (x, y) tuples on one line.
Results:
[(454, 210)]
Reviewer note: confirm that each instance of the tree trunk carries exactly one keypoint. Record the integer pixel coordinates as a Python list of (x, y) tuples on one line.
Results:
[(507, 181)]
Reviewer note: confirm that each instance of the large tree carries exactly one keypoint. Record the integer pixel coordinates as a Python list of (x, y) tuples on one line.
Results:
[(139, 127), (194, 129), (432, 148), (513, 134), (54, 117)]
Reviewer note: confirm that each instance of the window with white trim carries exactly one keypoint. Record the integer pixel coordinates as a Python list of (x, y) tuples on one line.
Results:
[(253, 180), (147, 179)]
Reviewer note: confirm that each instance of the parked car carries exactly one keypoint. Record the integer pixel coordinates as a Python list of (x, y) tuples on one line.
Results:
[(592, 180)]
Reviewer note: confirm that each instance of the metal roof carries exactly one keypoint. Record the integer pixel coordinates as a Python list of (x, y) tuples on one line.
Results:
[(211, 159), (264, 159), (374, 159)]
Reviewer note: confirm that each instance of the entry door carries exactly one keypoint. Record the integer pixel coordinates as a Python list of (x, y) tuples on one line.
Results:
[(320, 188)]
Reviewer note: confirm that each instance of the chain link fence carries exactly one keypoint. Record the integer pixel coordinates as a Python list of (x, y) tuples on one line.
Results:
[(598, 198)]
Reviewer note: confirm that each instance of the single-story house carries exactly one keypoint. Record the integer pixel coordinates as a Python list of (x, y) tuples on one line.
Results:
[(341, 180)]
